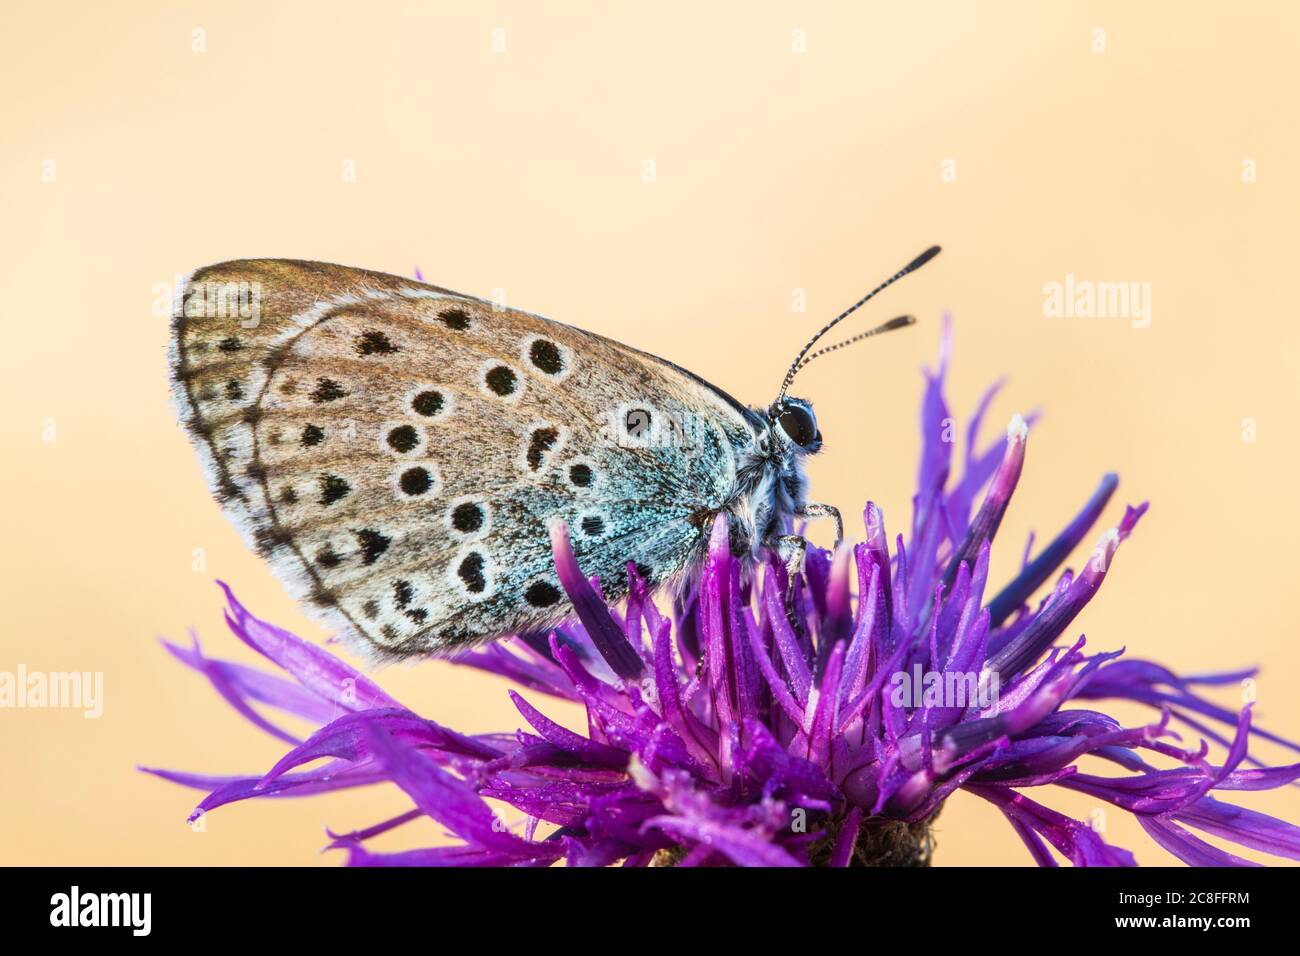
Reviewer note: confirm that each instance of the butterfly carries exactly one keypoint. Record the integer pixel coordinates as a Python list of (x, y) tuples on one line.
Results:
[(400, 452)]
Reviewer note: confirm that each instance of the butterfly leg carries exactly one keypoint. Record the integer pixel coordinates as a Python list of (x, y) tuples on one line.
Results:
[(791, 549), (813, 510)]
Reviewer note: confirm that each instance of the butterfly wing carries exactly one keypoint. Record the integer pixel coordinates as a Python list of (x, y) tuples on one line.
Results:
[(397, 450)]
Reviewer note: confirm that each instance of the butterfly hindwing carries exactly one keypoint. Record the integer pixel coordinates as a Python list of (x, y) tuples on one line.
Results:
[(398, 450)]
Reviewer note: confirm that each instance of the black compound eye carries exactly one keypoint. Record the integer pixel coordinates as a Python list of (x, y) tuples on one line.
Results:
[(798, 424)]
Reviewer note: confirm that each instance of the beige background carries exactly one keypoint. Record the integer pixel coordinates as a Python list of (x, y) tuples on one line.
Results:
[(522, 171)]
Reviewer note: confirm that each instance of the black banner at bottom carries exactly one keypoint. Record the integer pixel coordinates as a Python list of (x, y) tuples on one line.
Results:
[(931, 906)]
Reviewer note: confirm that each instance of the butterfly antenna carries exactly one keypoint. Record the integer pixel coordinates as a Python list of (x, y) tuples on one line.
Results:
[(803, 358)]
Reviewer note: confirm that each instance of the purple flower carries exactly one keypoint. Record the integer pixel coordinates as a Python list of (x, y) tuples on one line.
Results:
[(738, 729)]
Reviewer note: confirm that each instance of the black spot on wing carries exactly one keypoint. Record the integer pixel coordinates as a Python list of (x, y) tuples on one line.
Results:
[(415, 481), (332, 489), (542, 594), (373, 544), (457, 319), (467, 518), (327, 390), (539, 443), (403, 438), (501, 380), (546, 356), (428, 403), (470, 571), (375, 342)]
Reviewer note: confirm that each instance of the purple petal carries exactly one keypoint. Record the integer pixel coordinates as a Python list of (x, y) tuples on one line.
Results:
[(601, 627), (742, 847), (1056, 617), (1246, 827), (1188, 848), (315, 668)]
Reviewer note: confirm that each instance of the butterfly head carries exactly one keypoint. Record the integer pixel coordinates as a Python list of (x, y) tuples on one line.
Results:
[(792, 419)]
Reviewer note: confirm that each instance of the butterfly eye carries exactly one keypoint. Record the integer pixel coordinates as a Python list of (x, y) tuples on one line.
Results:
[(799, 425)]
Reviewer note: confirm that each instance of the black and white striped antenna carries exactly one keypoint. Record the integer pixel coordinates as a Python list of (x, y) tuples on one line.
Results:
[(806, 355)]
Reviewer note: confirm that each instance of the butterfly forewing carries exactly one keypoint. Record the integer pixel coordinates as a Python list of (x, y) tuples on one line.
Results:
[(398, 450)]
